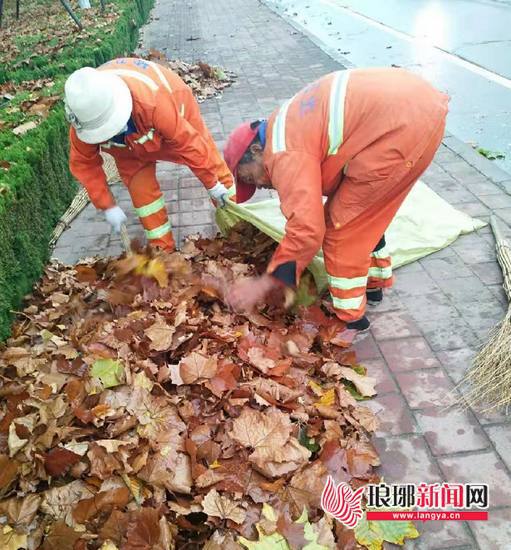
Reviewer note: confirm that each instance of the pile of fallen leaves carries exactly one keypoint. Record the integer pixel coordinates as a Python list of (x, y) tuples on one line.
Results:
[(205, 80), (138, 412)]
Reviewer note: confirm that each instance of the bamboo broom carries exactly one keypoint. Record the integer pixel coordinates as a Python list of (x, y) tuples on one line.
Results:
[(488, 383)]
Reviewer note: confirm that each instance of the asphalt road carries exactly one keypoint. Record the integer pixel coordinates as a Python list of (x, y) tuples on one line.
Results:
[(462, 46)]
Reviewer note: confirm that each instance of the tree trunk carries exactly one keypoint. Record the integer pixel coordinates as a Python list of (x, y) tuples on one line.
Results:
[(69, 10), (17, 9), (1, 11)]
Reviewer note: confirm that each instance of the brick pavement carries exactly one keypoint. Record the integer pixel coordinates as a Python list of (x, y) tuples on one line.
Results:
[(427, 330)]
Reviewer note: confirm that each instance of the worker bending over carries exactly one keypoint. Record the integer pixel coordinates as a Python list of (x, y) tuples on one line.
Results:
[(359, 137), (139, 112)]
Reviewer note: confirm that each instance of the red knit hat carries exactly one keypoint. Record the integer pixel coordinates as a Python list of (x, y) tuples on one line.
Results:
[(237, 144)]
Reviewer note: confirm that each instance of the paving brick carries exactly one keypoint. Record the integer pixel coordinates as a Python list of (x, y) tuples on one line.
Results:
[(438, 535), (475, 209), (393, 413), (444, 268), (406, 459), (479, 467), (415, 284), (202, 217), (425, 388), (192, 193), (408, 354), (456, 362), (504, 214), (465, 289), (451, 431), (489, 272), (393, 324), (501, 438), (497, 200), (366, 348), (447, 333), (483, 317), (376, 368), (494, 533), (432, 306), (390, 302), (483, 187)]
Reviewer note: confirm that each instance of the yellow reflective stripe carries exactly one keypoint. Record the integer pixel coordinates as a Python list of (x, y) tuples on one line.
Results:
[(157, 70), (347, 303), (346, 284), (182, 110), (158, 231), (381, 254), (279, 128), (133, 74), (380, 272), (111, 144), (151, 208), (147, 137), (336, 120)]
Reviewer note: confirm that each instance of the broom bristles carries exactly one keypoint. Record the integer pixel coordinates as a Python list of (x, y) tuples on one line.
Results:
[(487, 385)]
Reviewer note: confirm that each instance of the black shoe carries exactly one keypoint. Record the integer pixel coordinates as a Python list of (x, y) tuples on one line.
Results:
[(360, 325), (374, 296)]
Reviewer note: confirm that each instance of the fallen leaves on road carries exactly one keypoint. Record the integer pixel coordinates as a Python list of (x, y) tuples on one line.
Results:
[(139, 412)]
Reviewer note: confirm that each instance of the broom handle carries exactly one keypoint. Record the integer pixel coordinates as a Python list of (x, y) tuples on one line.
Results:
[(125, 240), (503, 255)]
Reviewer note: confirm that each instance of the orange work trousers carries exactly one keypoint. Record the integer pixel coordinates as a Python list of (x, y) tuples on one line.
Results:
[(356, 259)]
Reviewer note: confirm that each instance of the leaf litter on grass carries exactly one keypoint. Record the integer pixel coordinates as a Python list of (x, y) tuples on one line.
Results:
[(135, 415)]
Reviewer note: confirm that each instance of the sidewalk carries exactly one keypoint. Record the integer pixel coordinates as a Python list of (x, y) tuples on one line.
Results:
[(424, 334)]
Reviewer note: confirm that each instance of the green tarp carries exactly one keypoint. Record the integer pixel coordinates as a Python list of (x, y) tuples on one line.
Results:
[(424, 224)]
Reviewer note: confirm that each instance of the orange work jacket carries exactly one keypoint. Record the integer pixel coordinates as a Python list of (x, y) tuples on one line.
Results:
[(361, 126), (165, 114)]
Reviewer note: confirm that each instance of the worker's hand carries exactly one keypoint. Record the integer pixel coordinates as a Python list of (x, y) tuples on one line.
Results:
[(115, 216), (244, 295), (219, 194)]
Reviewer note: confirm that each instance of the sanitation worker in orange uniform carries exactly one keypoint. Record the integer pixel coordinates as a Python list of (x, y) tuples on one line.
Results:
[(139, 112), (361, 138)]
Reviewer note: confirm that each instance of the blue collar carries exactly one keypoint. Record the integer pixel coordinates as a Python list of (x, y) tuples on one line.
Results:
[(261, 132), (121, 138)]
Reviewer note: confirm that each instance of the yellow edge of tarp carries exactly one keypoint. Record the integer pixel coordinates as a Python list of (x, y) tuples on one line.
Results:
[(424, 224)]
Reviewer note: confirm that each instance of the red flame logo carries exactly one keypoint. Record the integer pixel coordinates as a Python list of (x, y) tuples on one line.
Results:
[(344, 504)]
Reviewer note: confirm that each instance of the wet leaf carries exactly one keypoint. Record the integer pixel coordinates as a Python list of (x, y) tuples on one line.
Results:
[(373, 534)]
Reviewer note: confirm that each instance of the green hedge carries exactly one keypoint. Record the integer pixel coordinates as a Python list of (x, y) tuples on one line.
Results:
[(37, 187)]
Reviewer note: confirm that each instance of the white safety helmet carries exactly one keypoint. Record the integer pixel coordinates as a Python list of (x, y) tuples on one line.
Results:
[(98, 104)]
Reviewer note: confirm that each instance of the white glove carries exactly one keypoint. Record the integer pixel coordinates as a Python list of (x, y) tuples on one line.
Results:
[(220, 193), (115, 216)]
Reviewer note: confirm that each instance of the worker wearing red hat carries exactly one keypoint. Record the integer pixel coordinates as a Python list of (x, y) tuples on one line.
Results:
[(361, 138), (139, 112)]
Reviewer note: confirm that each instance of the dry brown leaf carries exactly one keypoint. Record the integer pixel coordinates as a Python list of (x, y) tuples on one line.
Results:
[(364, 384), (161, 334), (220, 506), (196, 367)]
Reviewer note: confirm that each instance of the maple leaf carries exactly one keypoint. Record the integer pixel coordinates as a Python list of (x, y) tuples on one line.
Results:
[(364, 384), (373, 534), (58, 502), (60, 536), (11, 540), (20, 512), (58, 461), (196, 367), (115, 527), (217, 505), (8, 472), (90, 507), (109, 371), (161, 334), (143, 531)]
